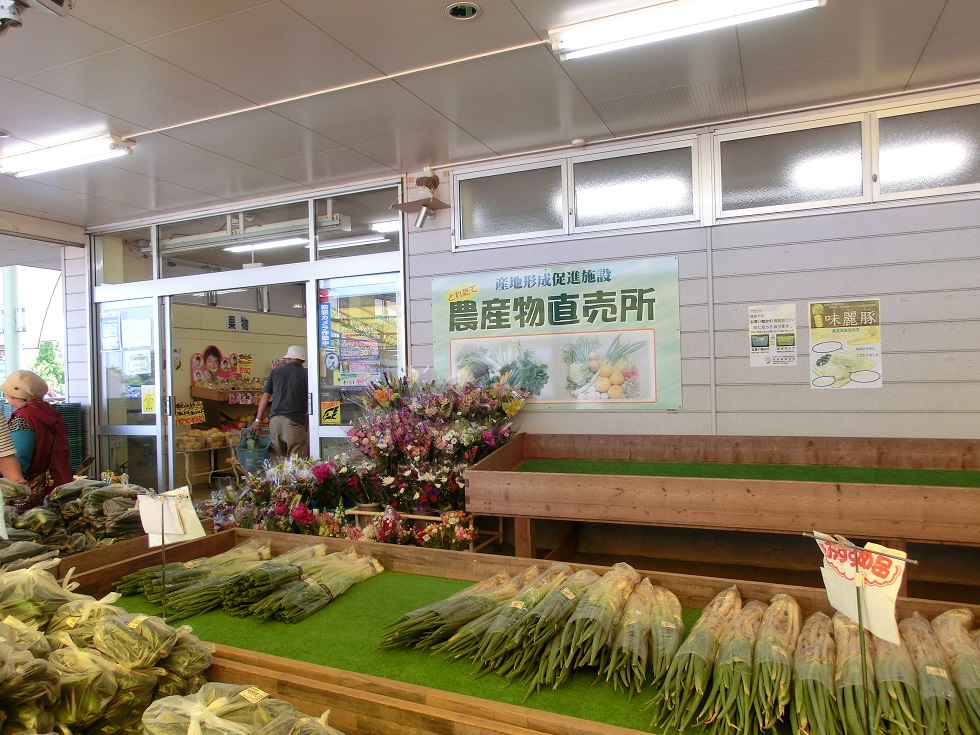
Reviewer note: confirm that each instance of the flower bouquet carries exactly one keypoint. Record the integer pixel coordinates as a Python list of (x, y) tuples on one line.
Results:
[(454, 531)]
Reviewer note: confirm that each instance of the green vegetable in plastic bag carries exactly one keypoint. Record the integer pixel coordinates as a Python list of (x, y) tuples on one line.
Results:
[(137, 641)]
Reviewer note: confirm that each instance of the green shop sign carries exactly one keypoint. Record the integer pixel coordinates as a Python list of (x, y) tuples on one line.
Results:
[(580, 336)]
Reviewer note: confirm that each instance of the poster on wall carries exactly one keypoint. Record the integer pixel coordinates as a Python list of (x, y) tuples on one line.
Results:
[(772, 335), (578, 336), (109, 329), (845, 344)]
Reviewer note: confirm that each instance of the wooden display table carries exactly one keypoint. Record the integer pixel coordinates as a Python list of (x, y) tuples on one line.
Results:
[(361, 704), (890, 513)]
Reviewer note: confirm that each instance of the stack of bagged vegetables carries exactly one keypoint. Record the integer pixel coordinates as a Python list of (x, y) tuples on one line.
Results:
[(71, 663), (77, 516), (230, 709), (246, 580), (743, 668)]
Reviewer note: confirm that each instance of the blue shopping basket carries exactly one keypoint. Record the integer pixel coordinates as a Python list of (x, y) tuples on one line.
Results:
[(253, 450)]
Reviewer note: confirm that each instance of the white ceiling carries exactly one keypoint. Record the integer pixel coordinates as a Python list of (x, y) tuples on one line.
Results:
[(133, 67)]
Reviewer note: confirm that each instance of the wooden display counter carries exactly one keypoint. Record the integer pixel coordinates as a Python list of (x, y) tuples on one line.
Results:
[(889, 513), (361, 704)]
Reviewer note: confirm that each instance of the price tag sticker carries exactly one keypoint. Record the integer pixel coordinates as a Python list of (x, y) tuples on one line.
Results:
[(937, 671), (72, 621), (667, 625), (519, 604), (253, 694), (568, 593), (134, 623)]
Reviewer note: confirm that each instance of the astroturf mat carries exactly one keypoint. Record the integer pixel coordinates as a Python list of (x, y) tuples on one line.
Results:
[(345, 635), (720, 470)]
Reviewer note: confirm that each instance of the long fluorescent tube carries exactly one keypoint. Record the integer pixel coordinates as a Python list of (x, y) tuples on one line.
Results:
[(346, 242), (670, 19), (392, 225), (268, 245), (66, 155)]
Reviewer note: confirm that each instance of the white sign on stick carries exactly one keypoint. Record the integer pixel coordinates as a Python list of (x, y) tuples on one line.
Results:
[(169, 517), (880, 578)]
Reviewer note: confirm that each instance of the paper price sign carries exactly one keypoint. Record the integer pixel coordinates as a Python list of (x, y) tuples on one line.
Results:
[(872, 575)]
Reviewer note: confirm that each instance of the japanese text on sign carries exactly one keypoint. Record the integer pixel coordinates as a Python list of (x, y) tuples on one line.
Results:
[(880, 571)]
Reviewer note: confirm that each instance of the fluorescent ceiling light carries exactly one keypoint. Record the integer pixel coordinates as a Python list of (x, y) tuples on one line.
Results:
[(66, 155), (921, 161), (666, 20), (389, 226), (268, 245), (345, 242)]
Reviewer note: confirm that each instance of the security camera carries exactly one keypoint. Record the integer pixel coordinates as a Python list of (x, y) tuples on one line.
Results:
[(9, 14)]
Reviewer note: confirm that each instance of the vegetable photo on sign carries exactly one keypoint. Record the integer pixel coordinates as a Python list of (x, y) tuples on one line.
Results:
[(510, 363), (597, 374)]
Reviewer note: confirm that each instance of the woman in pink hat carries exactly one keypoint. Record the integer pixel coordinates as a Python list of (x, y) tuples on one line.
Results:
[(39, 436)]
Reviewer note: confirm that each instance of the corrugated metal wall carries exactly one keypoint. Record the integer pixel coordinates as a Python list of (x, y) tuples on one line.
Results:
[(922, 260)]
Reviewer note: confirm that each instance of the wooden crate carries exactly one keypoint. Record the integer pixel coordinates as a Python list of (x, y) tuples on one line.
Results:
[(890, 513), (368, 705)]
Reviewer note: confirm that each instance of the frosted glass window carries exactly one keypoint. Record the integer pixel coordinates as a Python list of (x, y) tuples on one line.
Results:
[(803, 166), (518, 203), (929, 150), (635, 188)]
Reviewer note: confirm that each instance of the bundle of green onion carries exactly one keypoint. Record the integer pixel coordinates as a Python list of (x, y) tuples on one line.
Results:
[(728, 704), (857, 692), (627, 665), (240, 592), (432, 624), (899, 707), (941, 708), (666, 632), (952, 628), (587, 637), (686, 683), (772, 664), (812, 710)]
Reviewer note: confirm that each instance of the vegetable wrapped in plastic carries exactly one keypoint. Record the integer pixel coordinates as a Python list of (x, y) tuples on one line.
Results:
[(772, 664), (666, 631), (137, 641), (627, 665), (852, 687), (26, 679), (812, 709), (24, 636), (88, 684), (78, 618), (952, 629), (122, 714), (33, 595), (37, 520), (189, 656), (941, 708), (899, 706), (175, 684), (216, 709)]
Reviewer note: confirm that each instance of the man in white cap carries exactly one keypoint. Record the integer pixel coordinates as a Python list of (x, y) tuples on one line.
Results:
[(286, 394)]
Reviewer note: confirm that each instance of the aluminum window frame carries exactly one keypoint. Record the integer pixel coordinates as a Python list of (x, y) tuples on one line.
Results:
[(718, 138)]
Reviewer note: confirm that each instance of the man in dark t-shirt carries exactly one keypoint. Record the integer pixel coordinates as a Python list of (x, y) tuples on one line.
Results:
[(286, 393)]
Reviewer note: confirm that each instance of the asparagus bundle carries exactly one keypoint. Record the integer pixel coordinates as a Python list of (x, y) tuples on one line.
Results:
[(543, 622), (952, 628), (941, 710), (627, 664), (498, 638), (729, 702), (812, 709), (666, 632), (898, 690), (430, 624), (588, 635), (856, 692), (772, 665), (686, 682)]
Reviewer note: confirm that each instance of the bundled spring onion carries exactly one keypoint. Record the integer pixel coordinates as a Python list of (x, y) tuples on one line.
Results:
[(543, 622), (431, 624), (812, 709), (952, 628), (137, 641), (666, 632), (856, 692), (498, 638), (244, 589), (772, 664), (465, 642), (686, 682), (898, 689), (728, 704), (589, 633), (941, 710), (627, 666)]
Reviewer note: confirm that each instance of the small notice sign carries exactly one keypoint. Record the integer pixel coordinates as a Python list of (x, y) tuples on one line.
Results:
[(190, 413), (329, 413)]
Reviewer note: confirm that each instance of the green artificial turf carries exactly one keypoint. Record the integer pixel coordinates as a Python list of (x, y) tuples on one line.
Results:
[(345, 635), (797, 473)]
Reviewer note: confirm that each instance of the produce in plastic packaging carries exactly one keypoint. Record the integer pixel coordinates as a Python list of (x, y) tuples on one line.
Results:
[(137, 641), (33, 595)]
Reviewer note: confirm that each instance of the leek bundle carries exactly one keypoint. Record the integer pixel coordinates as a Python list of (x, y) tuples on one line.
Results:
[(812, 709), (728, 704), (941, 709), (627, 666), (952, 629), (666, 632), (898, 689), (686, 682), (772, 664), (853, 688), (241, 591)]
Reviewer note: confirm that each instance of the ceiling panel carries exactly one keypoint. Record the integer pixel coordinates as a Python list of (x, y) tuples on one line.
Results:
[(264, 54), (133, 85), (953, 50), (254, 137), (330, 168), (65, 40), (414, 151), (677, 107), (137, 20), (527, 129), (398, 36)]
